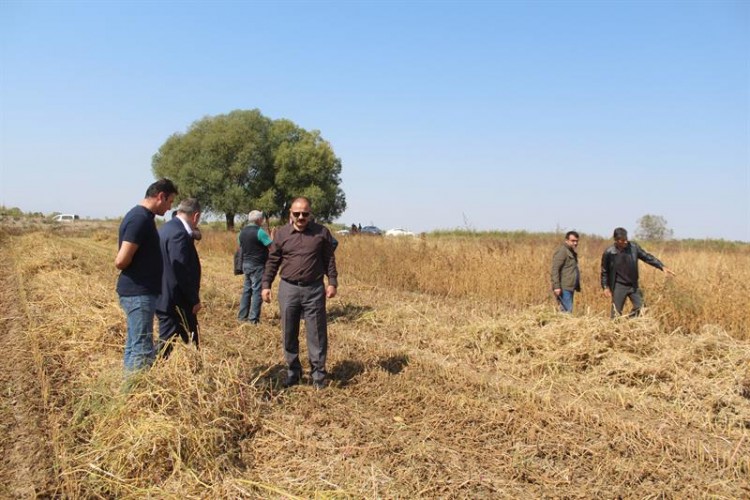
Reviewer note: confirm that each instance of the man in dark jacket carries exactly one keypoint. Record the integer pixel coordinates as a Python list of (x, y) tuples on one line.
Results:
[(253, 242), (566, 279), (179, 302), (619, 274)]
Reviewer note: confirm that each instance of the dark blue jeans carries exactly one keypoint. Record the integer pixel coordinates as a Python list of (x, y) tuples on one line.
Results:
[(180, 322), (250, 301)]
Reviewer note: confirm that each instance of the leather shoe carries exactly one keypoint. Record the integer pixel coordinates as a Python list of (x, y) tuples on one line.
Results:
[(319, 384), (290, 381)]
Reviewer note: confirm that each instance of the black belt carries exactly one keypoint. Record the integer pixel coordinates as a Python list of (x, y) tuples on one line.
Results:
[(303, 283)]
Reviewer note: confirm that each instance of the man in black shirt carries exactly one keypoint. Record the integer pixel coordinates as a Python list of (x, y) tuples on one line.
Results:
[(619, 272), (139, 260)]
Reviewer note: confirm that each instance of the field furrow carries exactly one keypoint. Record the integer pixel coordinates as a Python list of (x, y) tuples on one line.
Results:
[(432, 395)]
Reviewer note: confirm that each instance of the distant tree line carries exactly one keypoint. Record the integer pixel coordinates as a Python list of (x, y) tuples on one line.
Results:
[(17, 212)]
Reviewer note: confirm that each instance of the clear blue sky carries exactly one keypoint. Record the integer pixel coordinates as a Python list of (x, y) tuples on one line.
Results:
[(490, 115)]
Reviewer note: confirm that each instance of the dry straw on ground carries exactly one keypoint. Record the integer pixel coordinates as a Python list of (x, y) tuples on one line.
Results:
[(452, 376)]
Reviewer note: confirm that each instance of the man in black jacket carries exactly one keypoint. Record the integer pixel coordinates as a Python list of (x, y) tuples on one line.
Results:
[(253, 242), (179, 302), (620, 272)]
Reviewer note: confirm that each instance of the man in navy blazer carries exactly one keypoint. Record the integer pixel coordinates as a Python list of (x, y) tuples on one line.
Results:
[(179, 302)]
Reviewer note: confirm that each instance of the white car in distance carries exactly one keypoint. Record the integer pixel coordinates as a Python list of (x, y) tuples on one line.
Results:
[(399, 232), (65, 218)]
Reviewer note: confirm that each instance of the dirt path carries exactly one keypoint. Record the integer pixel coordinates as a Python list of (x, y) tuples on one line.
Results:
[(25, 454)]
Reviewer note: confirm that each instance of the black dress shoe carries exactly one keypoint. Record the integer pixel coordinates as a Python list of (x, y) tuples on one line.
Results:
[(290, 381), (319, 384)]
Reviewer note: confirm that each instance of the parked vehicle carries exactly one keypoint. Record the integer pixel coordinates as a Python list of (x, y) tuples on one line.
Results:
[(65, 218), (371, 230), (398, 232)]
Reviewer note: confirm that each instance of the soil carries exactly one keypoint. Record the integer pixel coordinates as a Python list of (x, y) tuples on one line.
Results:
[(26, 465)]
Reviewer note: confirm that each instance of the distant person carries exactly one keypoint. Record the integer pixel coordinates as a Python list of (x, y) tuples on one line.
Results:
[(303, 251), (178, 305), (253, 242), (566, 278), (619, 273), (354, 229), (139, 260)]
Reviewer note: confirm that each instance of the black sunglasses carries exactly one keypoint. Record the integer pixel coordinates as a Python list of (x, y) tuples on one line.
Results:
[(297, 215)]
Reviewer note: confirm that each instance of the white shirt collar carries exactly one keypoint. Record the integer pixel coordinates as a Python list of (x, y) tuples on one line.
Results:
[(187, 226)]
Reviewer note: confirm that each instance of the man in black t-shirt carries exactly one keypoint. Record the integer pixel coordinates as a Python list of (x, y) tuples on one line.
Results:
[(619, 273), (139, 260)]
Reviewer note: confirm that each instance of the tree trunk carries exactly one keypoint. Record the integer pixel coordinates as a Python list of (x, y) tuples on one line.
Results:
[(230, 221)]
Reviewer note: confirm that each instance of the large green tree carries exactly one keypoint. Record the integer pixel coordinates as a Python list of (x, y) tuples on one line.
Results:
[(241, 161)]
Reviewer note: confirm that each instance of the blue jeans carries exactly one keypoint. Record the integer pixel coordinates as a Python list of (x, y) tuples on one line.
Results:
[(251, 300), (139, 344), (566, 301)]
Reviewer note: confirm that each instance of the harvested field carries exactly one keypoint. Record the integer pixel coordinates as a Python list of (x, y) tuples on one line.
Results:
[(439, 389)]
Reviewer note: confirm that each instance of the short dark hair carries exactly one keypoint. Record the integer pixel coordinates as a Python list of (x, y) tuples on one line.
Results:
[(163, 185), (620, 234), (573, 233), (189, 206)]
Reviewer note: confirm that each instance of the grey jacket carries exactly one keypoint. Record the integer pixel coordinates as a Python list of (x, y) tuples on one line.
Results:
[(564, 272), (636, 253)]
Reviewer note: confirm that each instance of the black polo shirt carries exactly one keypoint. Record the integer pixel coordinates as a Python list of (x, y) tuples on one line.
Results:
[(143, 275)]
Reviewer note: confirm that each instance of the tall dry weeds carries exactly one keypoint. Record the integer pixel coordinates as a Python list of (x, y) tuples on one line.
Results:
[(712, 287), (438, 389)]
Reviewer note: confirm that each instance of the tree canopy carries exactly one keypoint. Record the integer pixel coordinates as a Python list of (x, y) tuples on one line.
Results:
[(244, 161), (653, 227)]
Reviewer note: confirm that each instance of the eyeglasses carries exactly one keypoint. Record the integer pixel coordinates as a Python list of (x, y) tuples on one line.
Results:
[(297, 215)]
